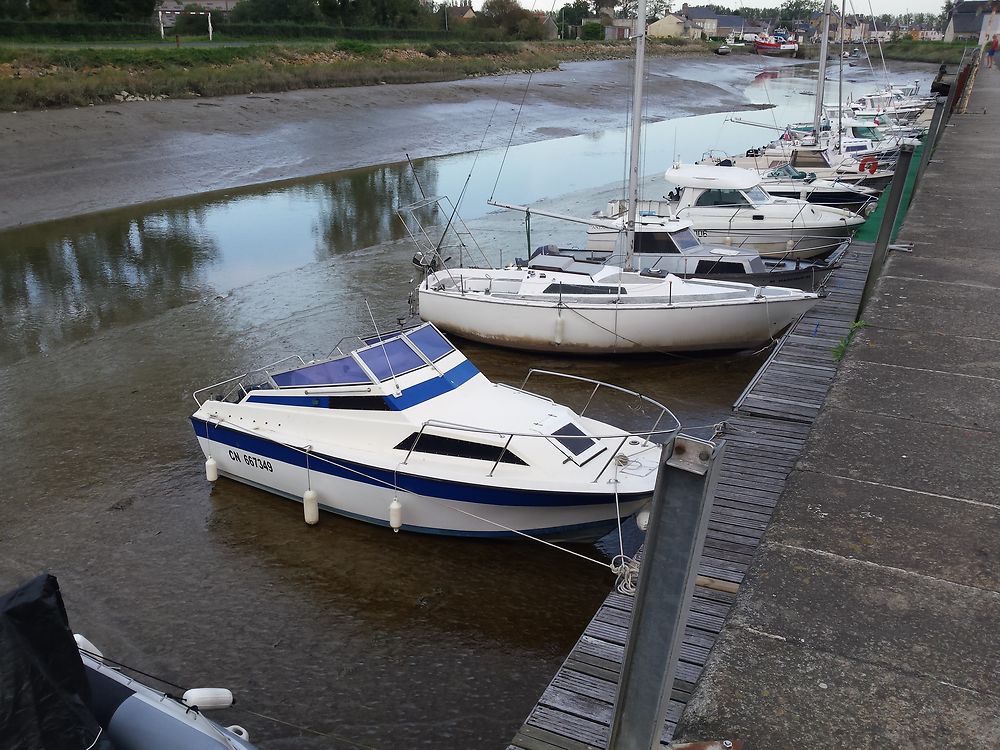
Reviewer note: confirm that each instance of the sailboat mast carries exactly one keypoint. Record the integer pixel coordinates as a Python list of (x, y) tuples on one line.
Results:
[(633, 164), (840, 82), (823, 49)]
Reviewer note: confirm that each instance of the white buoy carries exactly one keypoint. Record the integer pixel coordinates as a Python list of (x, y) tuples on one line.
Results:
[(207, 699), (211, 470), (642, 519), (395, 515), (310, 507)]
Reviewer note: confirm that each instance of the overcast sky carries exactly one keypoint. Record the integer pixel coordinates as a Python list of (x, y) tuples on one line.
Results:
[(861, 7)]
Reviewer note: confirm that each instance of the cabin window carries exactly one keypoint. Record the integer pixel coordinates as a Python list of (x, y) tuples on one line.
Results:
[(445, 446), (654, 242), (558, 288), (573, 439), (430, 342), (757, 195), (808, 159), (731, 198), (358, 403), (391, 358), (684, 239), (713, 266), (869, 133)]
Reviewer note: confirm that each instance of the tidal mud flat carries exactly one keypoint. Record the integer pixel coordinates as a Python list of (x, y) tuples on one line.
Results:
[(65, 162)]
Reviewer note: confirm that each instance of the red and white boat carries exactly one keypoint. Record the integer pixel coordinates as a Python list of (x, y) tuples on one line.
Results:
[(776, 45)]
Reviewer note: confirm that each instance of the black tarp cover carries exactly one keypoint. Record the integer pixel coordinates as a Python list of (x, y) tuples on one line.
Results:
[(43, 683)]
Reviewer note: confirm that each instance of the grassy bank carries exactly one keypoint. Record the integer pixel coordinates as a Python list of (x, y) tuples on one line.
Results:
[(931, 52), (41, 77), (914, 51)]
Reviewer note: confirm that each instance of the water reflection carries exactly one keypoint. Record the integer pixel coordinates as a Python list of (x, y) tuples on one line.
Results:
[(357, 209), (74, 279), (65, 281)]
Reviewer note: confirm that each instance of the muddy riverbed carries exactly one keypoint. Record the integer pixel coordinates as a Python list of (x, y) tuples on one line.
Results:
[(343, 635)]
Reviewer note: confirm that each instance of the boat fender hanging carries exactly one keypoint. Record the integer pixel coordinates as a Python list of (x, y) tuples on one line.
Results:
[(642, 519), (395, 515), (211, 470), (559, 328), (208, 699), (789, 245), (310, 507)]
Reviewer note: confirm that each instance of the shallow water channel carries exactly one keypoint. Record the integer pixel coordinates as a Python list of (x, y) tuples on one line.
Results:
[(338, 636)]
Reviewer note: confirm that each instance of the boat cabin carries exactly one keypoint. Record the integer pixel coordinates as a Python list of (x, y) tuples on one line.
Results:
[(702, 186)]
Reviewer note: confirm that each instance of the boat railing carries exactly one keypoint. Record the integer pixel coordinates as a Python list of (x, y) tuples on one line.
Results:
[(657, 433), (238, 383), (822, 244)]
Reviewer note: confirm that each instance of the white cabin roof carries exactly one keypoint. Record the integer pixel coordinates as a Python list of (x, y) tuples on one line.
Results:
[(712, 178)]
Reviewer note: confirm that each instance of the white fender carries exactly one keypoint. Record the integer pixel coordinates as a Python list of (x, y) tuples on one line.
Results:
[(310, 507), (395, 515), (207, 699), (211, 470)]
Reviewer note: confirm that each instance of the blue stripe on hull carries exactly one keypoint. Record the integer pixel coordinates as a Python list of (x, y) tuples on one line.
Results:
[(446, 490), (581, 532)]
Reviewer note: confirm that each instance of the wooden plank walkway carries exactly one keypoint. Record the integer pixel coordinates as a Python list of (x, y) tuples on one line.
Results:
[(765, 435)]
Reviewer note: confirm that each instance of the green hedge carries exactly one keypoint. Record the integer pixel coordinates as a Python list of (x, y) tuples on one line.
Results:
[(74, 31), (318, 31)]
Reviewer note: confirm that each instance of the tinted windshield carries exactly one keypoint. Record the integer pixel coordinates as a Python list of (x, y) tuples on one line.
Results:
[(870, 133), (342, 371), (757, 196), (391, 358), (684, 239), (430, 342)]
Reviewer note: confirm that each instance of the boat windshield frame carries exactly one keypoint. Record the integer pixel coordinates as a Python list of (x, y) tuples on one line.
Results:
[(757, 196), (684, 239), (432, 352)]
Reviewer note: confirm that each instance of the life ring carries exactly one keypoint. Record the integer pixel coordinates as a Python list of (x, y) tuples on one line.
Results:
[(870, 163)]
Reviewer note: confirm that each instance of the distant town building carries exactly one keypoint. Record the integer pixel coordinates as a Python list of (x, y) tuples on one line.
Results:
[(857, 29), (670, 26), (460, 13), (171, 8), (973, 20), (702, 21)]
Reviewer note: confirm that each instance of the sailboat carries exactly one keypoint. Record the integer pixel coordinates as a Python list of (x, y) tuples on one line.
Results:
[(848, 159), (605, 309)]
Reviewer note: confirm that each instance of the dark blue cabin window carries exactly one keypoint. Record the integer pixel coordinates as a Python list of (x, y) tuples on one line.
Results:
[(391, 358), (430, 342), (343, 371)]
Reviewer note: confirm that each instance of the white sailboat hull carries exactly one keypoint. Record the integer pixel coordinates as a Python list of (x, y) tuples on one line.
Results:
[(581, 328)]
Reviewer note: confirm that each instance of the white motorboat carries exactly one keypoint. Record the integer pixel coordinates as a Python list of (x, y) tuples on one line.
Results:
[(606, 309), (788, 182), (402, 430), (728, 206), (665, 245)]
